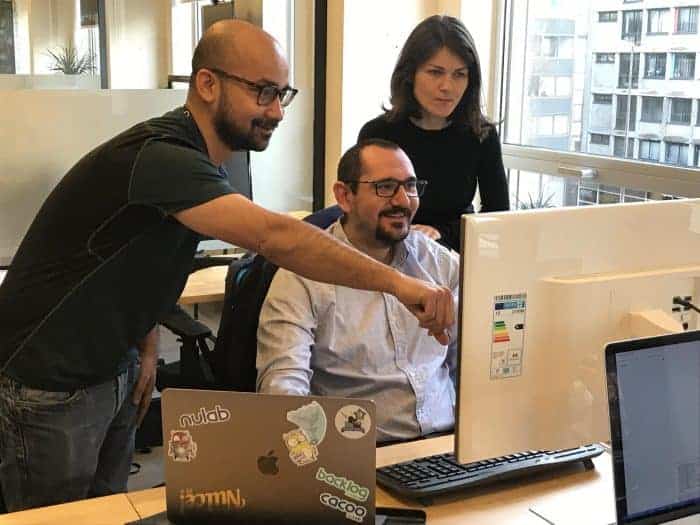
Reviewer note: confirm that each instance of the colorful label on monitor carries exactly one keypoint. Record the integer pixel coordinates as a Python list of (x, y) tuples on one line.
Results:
[(508, 335)]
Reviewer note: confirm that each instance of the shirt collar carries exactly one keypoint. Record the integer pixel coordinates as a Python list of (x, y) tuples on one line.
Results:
[(400, 253), (192, 129)]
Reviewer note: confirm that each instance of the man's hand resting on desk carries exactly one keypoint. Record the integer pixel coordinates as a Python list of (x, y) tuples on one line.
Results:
[(432, 305), (148, 357)]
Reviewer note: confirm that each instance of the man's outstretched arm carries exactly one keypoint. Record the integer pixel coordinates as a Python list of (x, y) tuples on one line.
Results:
[(312, 253)]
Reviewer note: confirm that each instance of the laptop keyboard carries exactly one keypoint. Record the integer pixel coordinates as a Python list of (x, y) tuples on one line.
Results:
[(442, 473)]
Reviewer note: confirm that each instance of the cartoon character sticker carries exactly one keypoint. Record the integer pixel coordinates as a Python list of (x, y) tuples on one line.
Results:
[(353, 422), (302, 442), (181, 446)]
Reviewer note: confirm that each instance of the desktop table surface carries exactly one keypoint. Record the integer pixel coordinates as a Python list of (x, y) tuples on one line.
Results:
[(205, 286), (573, 491)]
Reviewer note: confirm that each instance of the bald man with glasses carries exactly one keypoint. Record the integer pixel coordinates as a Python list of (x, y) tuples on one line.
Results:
[(327, 339), (108, 255)]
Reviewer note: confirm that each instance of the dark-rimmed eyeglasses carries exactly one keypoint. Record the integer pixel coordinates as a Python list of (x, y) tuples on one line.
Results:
[(266, 92), (387, 188)]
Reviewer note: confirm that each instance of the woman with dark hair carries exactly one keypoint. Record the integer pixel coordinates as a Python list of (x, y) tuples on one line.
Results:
[(436, 118)]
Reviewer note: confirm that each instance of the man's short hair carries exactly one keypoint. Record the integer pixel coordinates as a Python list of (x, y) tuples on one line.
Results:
[(350, 164), (208, 52)]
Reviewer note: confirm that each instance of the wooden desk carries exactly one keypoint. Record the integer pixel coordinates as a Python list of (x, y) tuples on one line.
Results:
[(109, 510), (205, 286), (502, 504), (208, 285), (578, 494)]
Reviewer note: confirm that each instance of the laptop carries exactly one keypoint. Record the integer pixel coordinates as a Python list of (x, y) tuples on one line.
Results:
[(654, 404), (257, 458)]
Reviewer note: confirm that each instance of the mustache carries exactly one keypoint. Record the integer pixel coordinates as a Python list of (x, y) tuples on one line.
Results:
[(396, 209), (266, 123)]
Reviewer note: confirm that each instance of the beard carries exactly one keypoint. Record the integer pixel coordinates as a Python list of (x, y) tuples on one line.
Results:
[(390, 236), (234, 136)]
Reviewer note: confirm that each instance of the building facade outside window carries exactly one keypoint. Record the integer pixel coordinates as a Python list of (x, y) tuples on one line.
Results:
[(649, 108)]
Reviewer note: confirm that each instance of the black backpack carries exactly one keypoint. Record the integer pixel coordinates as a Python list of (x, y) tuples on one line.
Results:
[(247, 283)]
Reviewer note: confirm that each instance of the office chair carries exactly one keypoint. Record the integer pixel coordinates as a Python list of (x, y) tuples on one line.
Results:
[(230, 363)]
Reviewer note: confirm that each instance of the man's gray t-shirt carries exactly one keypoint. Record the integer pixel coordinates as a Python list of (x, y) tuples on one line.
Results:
[(104, 259)]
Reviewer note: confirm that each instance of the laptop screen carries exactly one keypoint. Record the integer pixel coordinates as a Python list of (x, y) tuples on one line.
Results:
[(658, 427)]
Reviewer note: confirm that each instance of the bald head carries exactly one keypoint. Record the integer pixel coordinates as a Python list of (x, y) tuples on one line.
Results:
[(233, 45)]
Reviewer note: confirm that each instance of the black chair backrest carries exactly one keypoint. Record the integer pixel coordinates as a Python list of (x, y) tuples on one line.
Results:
[(247, 283)]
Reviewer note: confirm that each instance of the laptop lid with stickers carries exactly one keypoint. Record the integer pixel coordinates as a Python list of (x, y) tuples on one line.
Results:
[(246, 457)]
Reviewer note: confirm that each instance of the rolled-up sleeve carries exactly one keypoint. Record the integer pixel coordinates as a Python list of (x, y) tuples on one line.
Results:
[(286, 334)]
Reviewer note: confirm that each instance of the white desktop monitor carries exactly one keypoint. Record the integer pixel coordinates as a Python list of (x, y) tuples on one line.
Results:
[(542, 292)]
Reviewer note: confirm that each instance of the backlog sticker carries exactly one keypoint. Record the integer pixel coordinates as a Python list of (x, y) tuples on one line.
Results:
[(353, 422), (508, 335), (181, 446)]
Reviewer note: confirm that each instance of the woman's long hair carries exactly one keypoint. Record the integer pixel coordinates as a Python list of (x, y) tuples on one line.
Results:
[(426, 39)]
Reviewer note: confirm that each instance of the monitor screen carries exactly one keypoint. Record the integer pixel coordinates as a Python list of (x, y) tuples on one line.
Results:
[(655, 415), (542, 293)]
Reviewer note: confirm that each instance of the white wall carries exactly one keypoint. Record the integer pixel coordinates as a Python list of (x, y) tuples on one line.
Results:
[(44, 133), (364, 40)]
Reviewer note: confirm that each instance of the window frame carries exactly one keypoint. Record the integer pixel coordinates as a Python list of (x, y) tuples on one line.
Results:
[(677, 20), (674, 57), (611, 17), (647, 61), (663, 12), (629, 173)]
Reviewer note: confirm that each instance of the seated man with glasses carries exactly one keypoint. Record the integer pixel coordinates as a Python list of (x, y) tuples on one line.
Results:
[(323, 339)]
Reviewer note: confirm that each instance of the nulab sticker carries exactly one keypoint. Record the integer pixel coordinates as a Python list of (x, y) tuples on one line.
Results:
[(302, 442), (353, 422), (181, 446)]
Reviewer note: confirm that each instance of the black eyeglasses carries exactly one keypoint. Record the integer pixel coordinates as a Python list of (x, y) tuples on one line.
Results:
[(266, 92), (387, 188)]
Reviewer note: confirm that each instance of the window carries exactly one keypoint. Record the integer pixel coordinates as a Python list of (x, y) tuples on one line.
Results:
[(625, 125), (619, 149), (696, 160), (687, 19), (652, 109), (632, 25), (598, 138), (680, 111), (555, 46), (656, 21), (655, 65), (649, 150), (551, 125), (677, 153), (628, 74), (683, 66), (626, 113)]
